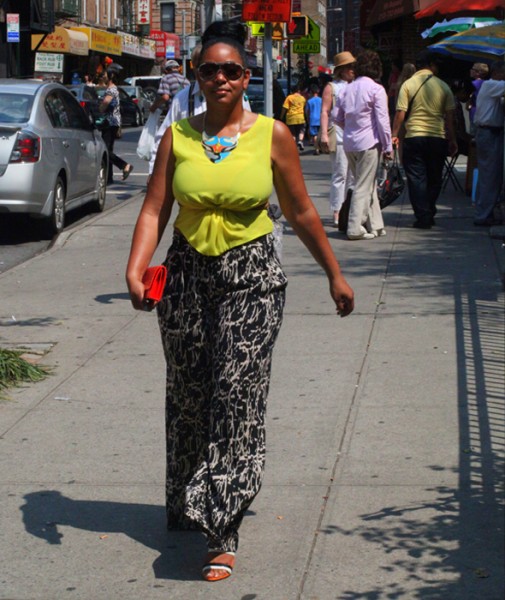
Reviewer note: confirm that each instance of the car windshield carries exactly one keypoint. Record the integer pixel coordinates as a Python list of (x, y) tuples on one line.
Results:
[(15, 108)]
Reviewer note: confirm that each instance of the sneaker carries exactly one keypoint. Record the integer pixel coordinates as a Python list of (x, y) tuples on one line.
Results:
[(300, 146), (379, 232), (361, 236)]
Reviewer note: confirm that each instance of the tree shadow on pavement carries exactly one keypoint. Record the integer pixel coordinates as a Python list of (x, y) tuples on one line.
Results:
[(181, 552), (450, 546)]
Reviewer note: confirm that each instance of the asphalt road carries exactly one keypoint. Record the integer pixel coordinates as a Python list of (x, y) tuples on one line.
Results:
[(20, 237)]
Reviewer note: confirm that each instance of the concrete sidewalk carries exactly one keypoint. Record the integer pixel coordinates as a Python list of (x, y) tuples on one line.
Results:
[(385, 430)]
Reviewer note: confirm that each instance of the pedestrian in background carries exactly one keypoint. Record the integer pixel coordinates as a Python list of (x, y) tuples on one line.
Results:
[(489, 119), (478, 73), (362, 111), (430, 104), (332, 135), (112, 122), (293, 111), (171, 83), (222, 305), (313, 115), (407, 71)]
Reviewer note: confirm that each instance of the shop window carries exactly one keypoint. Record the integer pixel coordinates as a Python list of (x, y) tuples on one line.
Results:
[(167, 12)]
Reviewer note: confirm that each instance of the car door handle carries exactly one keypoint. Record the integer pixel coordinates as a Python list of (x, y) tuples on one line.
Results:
[(66, 144)]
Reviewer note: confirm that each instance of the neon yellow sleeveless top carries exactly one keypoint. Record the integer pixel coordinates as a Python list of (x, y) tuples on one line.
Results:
[(222, 204)]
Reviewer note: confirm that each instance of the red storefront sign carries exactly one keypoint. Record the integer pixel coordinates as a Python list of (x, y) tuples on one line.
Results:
[(165, 41), (266, 12), (161, 41)]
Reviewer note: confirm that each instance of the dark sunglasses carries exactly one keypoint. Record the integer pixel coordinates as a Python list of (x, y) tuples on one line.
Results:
[(231, 70)]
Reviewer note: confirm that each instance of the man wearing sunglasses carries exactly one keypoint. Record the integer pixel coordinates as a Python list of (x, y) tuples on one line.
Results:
[(188, 102)]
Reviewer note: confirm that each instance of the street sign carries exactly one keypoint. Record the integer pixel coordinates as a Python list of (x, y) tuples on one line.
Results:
[(298, 27), (314, 31), (304, 46), (310, 43), (258, 30), (12, 27), (266, 12)]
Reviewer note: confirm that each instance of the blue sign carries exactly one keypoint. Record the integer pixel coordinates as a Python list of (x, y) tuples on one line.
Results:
[(12, 20)]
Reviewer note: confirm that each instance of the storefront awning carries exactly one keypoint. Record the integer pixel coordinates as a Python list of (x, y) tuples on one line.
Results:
[(102, 41), (61, 40), (449, 7), (387, 10)]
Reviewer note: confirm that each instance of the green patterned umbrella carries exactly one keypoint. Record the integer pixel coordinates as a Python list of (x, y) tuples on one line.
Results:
[(457, 25), (485, 43)]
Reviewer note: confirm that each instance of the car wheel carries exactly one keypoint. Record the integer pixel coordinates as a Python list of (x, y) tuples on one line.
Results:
[(56, 222), (150, 92), (138, 119), (98, 204)]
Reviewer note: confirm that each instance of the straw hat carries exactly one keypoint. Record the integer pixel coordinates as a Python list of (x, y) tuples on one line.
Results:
[(343, 58)]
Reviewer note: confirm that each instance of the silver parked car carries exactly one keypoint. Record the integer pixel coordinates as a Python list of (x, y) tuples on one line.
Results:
[(52, 158), (139, 97)]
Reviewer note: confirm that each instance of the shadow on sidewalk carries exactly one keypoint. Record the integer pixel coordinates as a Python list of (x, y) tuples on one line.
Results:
[(45, 511), (454, 542)]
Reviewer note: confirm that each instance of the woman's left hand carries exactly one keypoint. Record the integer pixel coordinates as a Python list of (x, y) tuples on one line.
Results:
[(343, 296), (136, 289)]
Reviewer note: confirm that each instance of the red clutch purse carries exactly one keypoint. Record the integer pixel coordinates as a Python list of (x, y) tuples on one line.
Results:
[(154, 280)]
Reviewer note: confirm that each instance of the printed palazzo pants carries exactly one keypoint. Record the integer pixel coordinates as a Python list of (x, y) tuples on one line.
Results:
[(219, 319)]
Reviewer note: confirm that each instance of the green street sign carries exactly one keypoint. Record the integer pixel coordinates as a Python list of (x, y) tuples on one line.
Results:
[(305, 46), (314, 32)]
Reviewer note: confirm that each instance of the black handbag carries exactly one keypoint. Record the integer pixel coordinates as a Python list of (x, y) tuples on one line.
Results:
[(391, 187)]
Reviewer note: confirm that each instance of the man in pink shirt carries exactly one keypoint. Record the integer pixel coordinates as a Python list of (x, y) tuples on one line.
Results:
[(362, 111)]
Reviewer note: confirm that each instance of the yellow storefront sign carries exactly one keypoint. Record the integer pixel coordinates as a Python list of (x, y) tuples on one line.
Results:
[(62, 40), (102, 41)]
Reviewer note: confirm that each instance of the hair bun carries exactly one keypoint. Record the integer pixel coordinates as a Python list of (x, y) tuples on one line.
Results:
[(232, 30)]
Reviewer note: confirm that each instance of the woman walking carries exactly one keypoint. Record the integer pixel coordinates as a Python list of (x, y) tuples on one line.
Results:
[(112, 123), (332, 135), (222, 306), (362, 110)]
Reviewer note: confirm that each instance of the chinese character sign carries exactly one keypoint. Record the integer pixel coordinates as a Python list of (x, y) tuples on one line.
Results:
[(144, 12)]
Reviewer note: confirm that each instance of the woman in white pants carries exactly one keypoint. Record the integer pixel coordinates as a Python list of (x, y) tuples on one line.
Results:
[(362, 109), (332, 134)]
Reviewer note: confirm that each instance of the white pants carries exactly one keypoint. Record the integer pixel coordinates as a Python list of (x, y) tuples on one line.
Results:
[(364, 213), (341, 178)]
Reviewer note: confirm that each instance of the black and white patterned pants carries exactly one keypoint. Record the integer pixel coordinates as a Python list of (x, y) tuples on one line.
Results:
[(219, 319)]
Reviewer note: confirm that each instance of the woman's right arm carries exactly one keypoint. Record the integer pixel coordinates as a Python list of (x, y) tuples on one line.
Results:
[(326, 106), (152, 220)]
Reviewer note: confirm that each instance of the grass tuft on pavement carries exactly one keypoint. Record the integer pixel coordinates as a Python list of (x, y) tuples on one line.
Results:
[(15, 370)]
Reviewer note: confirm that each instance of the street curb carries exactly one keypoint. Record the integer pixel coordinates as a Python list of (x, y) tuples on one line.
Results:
[(60, 240)]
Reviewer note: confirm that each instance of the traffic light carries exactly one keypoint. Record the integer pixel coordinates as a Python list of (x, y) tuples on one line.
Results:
[(297, 27)]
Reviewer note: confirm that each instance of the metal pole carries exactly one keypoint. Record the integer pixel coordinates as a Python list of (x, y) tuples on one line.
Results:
[(288, 62), (268, 71), (184, 43)]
